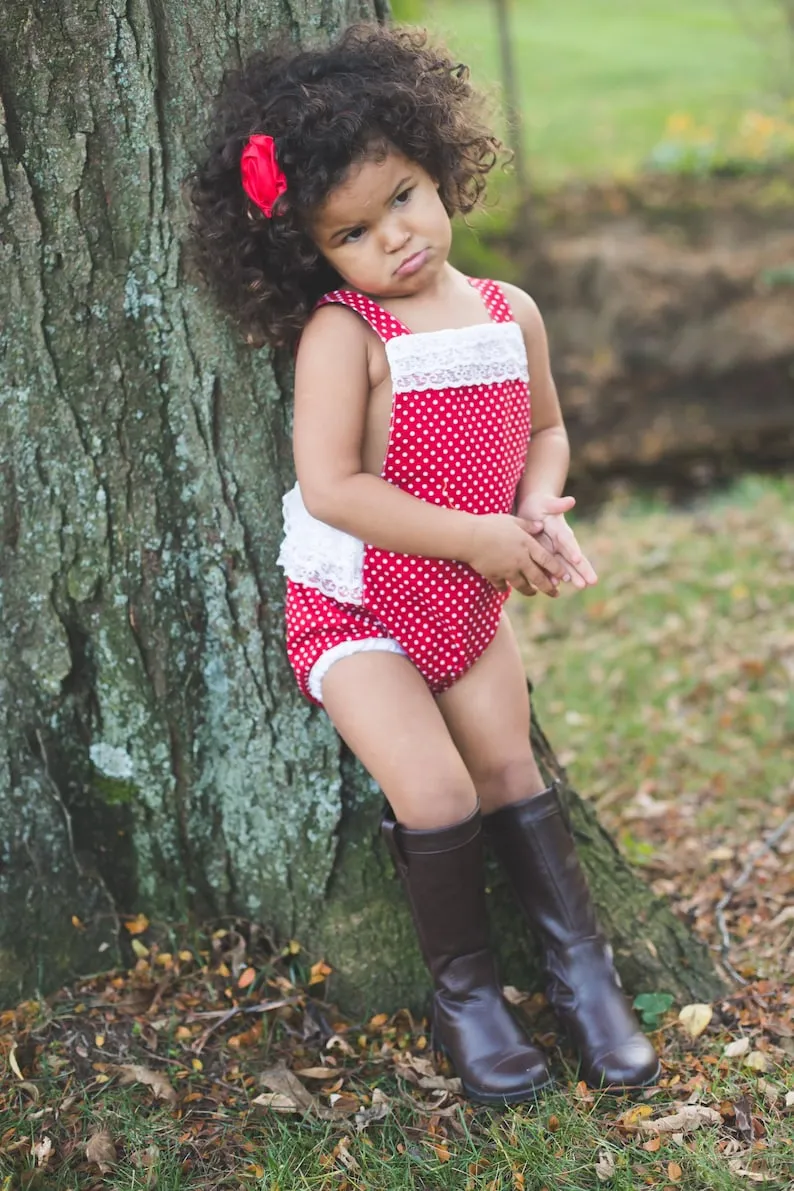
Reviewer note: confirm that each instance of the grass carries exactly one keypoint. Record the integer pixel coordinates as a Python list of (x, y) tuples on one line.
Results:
[(599, 79), (675, 671)]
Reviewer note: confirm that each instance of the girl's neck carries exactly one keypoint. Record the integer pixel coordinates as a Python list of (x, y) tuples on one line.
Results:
[(449, 301)]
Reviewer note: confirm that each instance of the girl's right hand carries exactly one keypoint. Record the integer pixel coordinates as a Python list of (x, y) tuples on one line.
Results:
[(503, 551)]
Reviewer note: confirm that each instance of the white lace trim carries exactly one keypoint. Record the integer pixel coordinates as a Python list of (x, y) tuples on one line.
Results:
[(344, 650), (319, 555), (485, 354)]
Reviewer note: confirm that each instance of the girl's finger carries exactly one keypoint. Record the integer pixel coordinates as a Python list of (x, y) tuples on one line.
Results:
[(551, 563), (535, 576)]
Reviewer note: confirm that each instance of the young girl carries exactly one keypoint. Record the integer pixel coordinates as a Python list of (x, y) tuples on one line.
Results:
[(322, 216)]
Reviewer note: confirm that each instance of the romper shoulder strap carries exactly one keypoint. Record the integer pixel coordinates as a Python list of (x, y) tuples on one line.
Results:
[(495, 301), (385, 325)]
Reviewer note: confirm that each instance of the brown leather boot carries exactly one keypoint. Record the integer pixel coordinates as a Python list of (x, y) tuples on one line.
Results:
[(442, 873), (534, 843)]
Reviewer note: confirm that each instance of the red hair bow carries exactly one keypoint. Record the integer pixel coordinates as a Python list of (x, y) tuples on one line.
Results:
[(263, 181)]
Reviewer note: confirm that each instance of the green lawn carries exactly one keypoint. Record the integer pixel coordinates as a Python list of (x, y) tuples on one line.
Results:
[(600, 78)]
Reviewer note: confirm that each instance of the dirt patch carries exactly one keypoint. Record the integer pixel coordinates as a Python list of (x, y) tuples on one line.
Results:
[(670, 310)]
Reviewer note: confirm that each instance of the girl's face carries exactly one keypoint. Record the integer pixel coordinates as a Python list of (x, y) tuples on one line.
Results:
[(384, 229)]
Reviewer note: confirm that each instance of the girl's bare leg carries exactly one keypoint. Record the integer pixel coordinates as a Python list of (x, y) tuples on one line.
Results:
[(383, 710), (487, 714)]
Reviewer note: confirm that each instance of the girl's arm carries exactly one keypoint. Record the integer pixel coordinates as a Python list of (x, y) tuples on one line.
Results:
[(539, 499), (332, 388), (546, 468)]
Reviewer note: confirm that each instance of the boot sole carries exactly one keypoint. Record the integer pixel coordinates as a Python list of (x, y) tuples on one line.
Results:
[(621, 1089), (531, 1093)]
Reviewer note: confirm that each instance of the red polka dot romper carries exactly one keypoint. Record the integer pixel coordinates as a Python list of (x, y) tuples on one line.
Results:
[(458, 437)]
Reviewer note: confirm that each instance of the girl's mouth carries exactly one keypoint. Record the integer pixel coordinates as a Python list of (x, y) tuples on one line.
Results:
[(413, 263)]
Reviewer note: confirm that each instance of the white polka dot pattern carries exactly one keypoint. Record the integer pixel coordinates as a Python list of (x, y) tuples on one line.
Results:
[(460, 446)]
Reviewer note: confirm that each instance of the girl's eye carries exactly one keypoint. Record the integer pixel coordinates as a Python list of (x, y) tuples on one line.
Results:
[(355, 235), (402, 197)]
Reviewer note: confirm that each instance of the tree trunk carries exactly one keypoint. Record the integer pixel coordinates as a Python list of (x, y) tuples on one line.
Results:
[(155, 754)]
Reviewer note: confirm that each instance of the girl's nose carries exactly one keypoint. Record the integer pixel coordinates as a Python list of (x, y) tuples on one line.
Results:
[(395, 236)]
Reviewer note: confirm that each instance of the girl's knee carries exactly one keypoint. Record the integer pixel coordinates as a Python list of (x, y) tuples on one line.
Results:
[(508, 779), (431, 804)]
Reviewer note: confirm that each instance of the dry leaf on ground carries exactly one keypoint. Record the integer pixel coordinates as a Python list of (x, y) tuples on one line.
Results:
[(136, 1073), (422, 1073), (695, 1018), (42, 1150), (605, 1166), (688, 1118), (755, 1176), (379, 1108), (735, 1050), (292, 1096), (277, 1102), (101, 1150)]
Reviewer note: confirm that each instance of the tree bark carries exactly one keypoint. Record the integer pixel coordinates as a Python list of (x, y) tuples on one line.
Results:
[(154, 752)]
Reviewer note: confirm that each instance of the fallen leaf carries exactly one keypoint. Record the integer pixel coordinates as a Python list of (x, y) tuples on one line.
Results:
[(379, 1108), (42, 1150), (674, 1172), (513, 995), (633, 1115), (652, 1144), (248, 976), (442, 1153), (344, 1156), (140, 949), (769, 1092), (789, 1099), (441, 1083), (605, 1166), (734, 1050), (283, 1082), (319, 972), (344, 1104), (276, 1101), (13, 1064), (136, 1073), (337, 1042), (756, 1061), (695, 1018), (101, 1150), (137, 925), (755, 1176), (688, 1118), (744, 1117), (317, 1072)]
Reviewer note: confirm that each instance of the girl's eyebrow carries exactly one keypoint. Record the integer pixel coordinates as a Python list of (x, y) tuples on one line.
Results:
[(343, 231)]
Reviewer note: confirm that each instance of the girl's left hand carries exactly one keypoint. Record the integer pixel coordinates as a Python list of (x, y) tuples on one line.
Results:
[(549, 527)]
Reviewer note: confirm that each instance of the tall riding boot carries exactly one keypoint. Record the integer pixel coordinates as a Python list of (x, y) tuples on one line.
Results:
[(442, 873), (534, 843)]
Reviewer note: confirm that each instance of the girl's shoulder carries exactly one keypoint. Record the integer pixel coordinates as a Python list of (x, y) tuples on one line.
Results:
[(525, 308), (333, 321)]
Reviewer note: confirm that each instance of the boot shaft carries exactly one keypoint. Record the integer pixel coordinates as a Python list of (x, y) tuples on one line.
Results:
[(443, 874), (533, 841)]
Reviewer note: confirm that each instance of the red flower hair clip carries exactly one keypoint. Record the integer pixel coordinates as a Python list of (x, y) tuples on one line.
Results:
[(263, 181)]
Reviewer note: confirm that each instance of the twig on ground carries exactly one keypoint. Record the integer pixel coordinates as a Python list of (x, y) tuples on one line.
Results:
[(224, 1015), (766, 846)]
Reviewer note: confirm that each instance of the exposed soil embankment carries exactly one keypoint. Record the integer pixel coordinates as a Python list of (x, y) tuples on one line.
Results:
[(670, 310)]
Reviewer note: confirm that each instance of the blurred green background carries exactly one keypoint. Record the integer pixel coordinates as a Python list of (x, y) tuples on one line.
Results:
[(607, 88)]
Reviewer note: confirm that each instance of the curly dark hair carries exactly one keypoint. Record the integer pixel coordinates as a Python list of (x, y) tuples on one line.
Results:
[(326, 109)]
